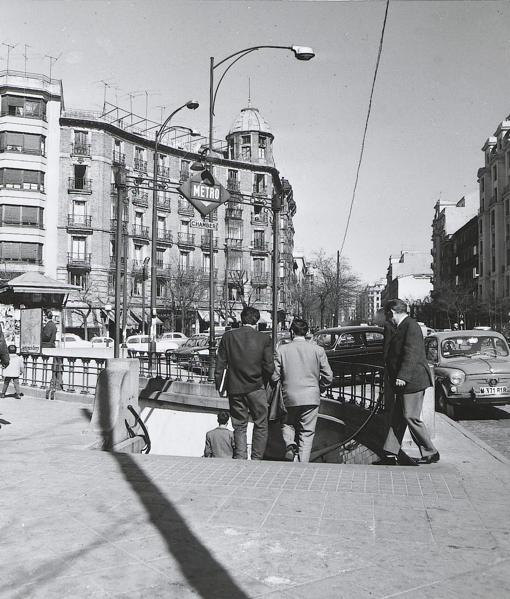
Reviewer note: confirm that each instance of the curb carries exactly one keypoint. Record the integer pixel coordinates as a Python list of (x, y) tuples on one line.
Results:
[(472, 437)]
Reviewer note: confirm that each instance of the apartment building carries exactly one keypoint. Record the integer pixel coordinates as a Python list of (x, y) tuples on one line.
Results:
[(369, 301)]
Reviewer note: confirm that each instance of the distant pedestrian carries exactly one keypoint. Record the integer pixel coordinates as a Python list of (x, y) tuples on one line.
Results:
[(409, 375), (247, 356), (49, 332), (219, 442), (12, 372), (301, 367)]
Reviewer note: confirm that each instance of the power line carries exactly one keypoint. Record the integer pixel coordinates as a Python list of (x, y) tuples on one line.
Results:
[(366, 127)]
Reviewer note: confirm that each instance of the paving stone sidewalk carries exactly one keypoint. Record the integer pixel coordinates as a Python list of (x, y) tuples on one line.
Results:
[(78, 523)]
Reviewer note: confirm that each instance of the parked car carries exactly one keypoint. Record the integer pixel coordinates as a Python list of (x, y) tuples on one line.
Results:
[(194, 352), (175, 337), (102, 342), (71, 340), (357, 344), (471, 368), (141, 343)]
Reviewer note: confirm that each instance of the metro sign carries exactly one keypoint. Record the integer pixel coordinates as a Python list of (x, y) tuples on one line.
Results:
[(204, 192)]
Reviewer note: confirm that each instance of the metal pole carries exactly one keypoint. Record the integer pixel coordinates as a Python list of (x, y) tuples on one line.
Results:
[(124, 288), (211, 100), (152, 332), (212, 350), (337, 294), (276, 268), (118, 265)]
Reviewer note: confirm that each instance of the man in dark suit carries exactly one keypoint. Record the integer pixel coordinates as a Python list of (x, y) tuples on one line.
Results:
[(409, 375), (248, 355)]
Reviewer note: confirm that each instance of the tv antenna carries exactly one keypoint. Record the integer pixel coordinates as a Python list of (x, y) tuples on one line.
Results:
[(53, 60), (25, 56), (9, 48)]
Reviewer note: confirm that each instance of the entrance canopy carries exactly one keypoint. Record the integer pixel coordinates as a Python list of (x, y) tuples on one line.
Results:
[(35, 290)]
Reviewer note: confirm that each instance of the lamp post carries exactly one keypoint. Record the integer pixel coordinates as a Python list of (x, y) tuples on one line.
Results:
[(192, 105), (301, 53), (120, 185)]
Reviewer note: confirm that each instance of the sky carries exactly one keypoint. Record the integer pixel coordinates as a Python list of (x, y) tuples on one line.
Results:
[(442, 89)]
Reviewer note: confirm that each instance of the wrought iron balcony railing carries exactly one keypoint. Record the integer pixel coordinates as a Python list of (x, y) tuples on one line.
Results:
[(140, 165), (140, 198), (78, 149), (234, 213), (186, 238), (79, 184), (113, 225), (234, 243), (185, 208), (183, 175), (233, 185), (165, 236), (205, 242), (259, 190), (140, 231), (119, 158), (260, 245), (260, 219), (260, 278), (78, 259), (164, 203), (164, 171), (79, 221)]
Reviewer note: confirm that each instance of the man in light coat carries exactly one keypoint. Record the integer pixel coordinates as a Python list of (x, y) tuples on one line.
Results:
[(301, 366)]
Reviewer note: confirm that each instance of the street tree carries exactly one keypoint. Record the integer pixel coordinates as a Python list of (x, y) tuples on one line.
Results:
[(186, 288)]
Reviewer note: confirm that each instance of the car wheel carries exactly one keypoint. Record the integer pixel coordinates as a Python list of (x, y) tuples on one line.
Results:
[(451, 411), (441, 402)]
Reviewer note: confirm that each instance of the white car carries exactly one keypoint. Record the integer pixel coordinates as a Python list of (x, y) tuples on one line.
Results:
[(174, 337), (141, 343), (70, 340), (102, 342)]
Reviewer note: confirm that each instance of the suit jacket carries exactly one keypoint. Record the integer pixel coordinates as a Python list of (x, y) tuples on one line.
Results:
[(219, 443), (301, 365), (249, 356), (405, 356)]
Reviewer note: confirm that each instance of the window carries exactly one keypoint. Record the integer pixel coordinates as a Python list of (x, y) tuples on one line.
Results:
[(137, 286), (80, 279), (13, 178), (140, 160), (80, 177), (21, 106), (475, 249), (11, 251), (78, 247), (24, 143), (160, 288), (475, 274), (160, 258), (22, 216), (246, 147), (234, 261), (456, 279), (184, 260), (495, 173), (259, 185), (262, 147), (259, 266), (206, 262), (258, 294)]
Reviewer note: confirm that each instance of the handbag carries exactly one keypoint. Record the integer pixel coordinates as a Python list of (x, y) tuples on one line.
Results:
[(277, 409)]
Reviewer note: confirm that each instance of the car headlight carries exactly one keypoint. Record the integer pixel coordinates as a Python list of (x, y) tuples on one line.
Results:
[(457, 377)]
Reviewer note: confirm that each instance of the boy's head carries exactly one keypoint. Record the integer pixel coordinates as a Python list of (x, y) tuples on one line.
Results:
[(223, 417), (11, 349)]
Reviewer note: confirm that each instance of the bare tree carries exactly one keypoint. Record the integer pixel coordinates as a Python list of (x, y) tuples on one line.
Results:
[(88, 296), (187, 287)]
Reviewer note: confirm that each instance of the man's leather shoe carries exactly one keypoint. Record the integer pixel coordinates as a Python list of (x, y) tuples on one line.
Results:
[(430, 459), (406, 460), (291, 452), (386, 460)]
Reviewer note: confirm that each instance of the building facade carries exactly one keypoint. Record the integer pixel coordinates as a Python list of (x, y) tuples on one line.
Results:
[(58, 206), (408, 277), (369, 302)]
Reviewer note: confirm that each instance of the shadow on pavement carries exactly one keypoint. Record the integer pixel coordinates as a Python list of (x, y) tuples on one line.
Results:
[(484, 413), (201, 570)]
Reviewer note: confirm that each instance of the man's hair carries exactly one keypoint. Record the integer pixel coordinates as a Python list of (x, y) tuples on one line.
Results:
[(250, 315), (11, 349), (397, 305), (223, 417), (49, 314), (299, 327)]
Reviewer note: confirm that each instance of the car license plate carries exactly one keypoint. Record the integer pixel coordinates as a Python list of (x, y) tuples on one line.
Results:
[(493, 390)]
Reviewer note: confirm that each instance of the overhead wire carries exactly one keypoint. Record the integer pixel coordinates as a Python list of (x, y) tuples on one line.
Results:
[(366, 127)]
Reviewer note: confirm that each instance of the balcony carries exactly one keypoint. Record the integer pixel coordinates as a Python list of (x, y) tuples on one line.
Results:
[(260, 219), (234, 244), (118, 158), (113, 226), (78, 261), (234, 213), (205, 242), (260, 279), (203, 273), (183, 175), (259, 190), (140, 198), (259, 245), (113, 262), (79, 222), (233, 185), (80, 149), (185, 208), (186, 239), (163, 270), (140, 232), (187, 272), (164, 171), (165, 236), (164, 203), (140, 165), (79, 185)]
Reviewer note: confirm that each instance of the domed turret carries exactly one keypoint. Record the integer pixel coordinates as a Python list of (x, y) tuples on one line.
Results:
[(250, 138)]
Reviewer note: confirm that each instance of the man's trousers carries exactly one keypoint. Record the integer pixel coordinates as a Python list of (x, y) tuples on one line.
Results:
[(298, 427), (242, 406), (406, 412)]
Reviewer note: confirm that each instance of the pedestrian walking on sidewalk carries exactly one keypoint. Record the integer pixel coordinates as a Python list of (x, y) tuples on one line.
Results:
[(301, 367), (409, 375), (219, 442), (12, 372), (245, 356)]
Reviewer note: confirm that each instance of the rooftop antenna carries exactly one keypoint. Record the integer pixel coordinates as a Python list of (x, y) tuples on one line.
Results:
[(25, 56), (53, 60), (9, 48), (152, 93), (249, 92), (162, 109)]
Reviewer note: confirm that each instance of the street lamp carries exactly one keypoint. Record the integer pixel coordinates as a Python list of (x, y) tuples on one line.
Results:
[(301, 53), (191, 105)]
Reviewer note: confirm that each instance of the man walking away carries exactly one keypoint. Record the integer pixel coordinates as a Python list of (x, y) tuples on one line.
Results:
[(301, 366), (409, 375), (248, 356), (219, 442), (12, 372)]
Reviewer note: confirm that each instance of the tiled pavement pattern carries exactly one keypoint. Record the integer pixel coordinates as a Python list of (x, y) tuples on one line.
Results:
[(77, 523)]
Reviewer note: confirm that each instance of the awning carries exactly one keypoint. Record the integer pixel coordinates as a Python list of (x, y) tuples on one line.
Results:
[(204, 315), (35, 290), (136, 313)]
